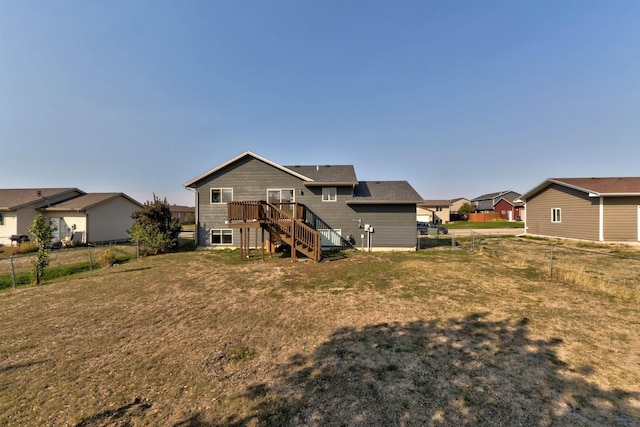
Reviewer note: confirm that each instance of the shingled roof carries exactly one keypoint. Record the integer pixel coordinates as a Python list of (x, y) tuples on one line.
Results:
[(595, 187), (491, 196), (15, 198), (391, 192), (88, 201), (327, 174)]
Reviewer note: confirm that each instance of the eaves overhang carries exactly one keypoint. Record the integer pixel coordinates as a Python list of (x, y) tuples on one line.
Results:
[(381, 202), (192, 183), (330, 184), (590, 193)]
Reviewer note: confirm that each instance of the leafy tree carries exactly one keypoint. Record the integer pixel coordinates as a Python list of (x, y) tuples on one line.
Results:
[(465, 210), (42, 233), (154, 228)]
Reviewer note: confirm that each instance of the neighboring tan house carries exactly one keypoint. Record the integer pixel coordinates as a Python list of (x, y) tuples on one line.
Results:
[(598, 209), (435, 211), (184, 214), (306, 207), (510, 209), (484, 203), (79, 217), (455, 207)]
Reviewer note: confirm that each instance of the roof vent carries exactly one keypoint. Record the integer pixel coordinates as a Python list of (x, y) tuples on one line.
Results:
[(317, 168)]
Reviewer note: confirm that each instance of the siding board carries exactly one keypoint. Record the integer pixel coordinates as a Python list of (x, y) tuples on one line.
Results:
[(621, 219), (394, 225), (579, 214)]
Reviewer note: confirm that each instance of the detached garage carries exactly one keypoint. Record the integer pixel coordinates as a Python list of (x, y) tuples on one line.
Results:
[(79, 217), (93, 217), (596, 209)]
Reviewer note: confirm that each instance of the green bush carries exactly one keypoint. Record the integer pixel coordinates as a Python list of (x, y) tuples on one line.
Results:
[(155, 230)]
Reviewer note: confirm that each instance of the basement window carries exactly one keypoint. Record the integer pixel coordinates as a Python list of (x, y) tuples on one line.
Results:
[(221, 195), (222, 237), (555, 215)]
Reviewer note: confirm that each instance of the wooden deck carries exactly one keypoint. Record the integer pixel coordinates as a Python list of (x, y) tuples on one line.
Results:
[(283, 221)]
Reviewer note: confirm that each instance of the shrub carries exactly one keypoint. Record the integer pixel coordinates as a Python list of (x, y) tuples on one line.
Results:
[(107, 258), (154, 228), (27, 247)]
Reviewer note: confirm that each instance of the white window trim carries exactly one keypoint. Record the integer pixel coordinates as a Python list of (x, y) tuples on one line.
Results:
[(556, 219), (222, 233), (293, 193), (221, 189), (326, 196)]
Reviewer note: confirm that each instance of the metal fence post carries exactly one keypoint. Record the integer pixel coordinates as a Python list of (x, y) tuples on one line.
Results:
[(551, 262), (453, 241), (473, 243), (13, 273), (90, 260), (501, 248)]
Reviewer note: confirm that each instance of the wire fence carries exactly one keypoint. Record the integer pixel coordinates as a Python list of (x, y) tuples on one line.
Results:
[(577, 262), (18, 270)]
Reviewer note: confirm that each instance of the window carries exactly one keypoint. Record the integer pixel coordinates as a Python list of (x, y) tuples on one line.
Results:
[(438, 208), (221, 195), (329, 194), (555, 215), (222, 237), (281, 195)]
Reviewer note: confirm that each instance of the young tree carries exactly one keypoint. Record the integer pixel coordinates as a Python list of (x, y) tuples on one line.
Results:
[(154, 229), (465, 210), (42, 233)]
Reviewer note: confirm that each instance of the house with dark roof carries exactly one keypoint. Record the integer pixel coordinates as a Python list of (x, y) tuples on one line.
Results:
[(78, 217), (484, 203), (305, 207), (597, 209)]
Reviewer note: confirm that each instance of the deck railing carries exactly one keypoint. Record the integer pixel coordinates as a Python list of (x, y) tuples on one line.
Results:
[(287, 218), (246, 210)]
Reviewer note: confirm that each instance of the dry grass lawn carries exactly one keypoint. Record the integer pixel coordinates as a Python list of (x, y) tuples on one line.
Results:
[(431, 338)]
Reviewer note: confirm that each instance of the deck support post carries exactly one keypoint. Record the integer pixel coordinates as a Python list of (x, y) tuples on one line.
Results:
[(293, 240)]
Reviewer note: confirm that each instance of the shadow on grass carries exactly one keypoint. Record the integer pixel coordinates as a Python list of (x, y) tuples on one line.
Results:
[(118, 416), (15, 366), (468, 371), (425, 242)]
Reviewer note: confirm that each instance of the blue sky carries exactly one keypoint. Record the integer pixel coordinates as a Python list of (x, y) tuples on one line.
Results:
[(460, 98)]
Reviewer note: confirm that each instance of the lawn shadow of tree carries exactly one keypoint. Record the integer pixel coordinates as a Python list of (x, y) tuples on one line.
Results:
[(460, 371)]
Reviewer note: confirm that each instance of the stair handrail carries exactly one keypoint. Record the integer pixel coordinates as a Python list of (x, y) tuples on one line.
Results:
[(284, 221), (292, 226)]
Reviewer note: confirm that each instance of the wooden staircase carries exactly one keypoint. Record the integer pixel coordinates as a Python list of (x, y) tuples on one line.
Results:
[(284, 221)]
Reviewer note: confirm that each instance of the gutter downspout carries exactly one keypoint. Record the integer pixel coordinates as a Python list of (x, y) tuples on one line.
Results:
[(601, 220)]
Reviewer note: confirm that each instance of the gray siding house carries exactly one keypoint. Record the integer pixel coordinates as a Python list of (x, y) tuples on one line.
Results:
[(485, 202), (327, 200), (597, 209)]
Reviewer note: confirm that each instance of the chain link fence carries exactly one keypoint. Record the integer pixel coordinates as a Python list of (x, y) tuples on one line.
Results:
[(17, 270), (587, 263)]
